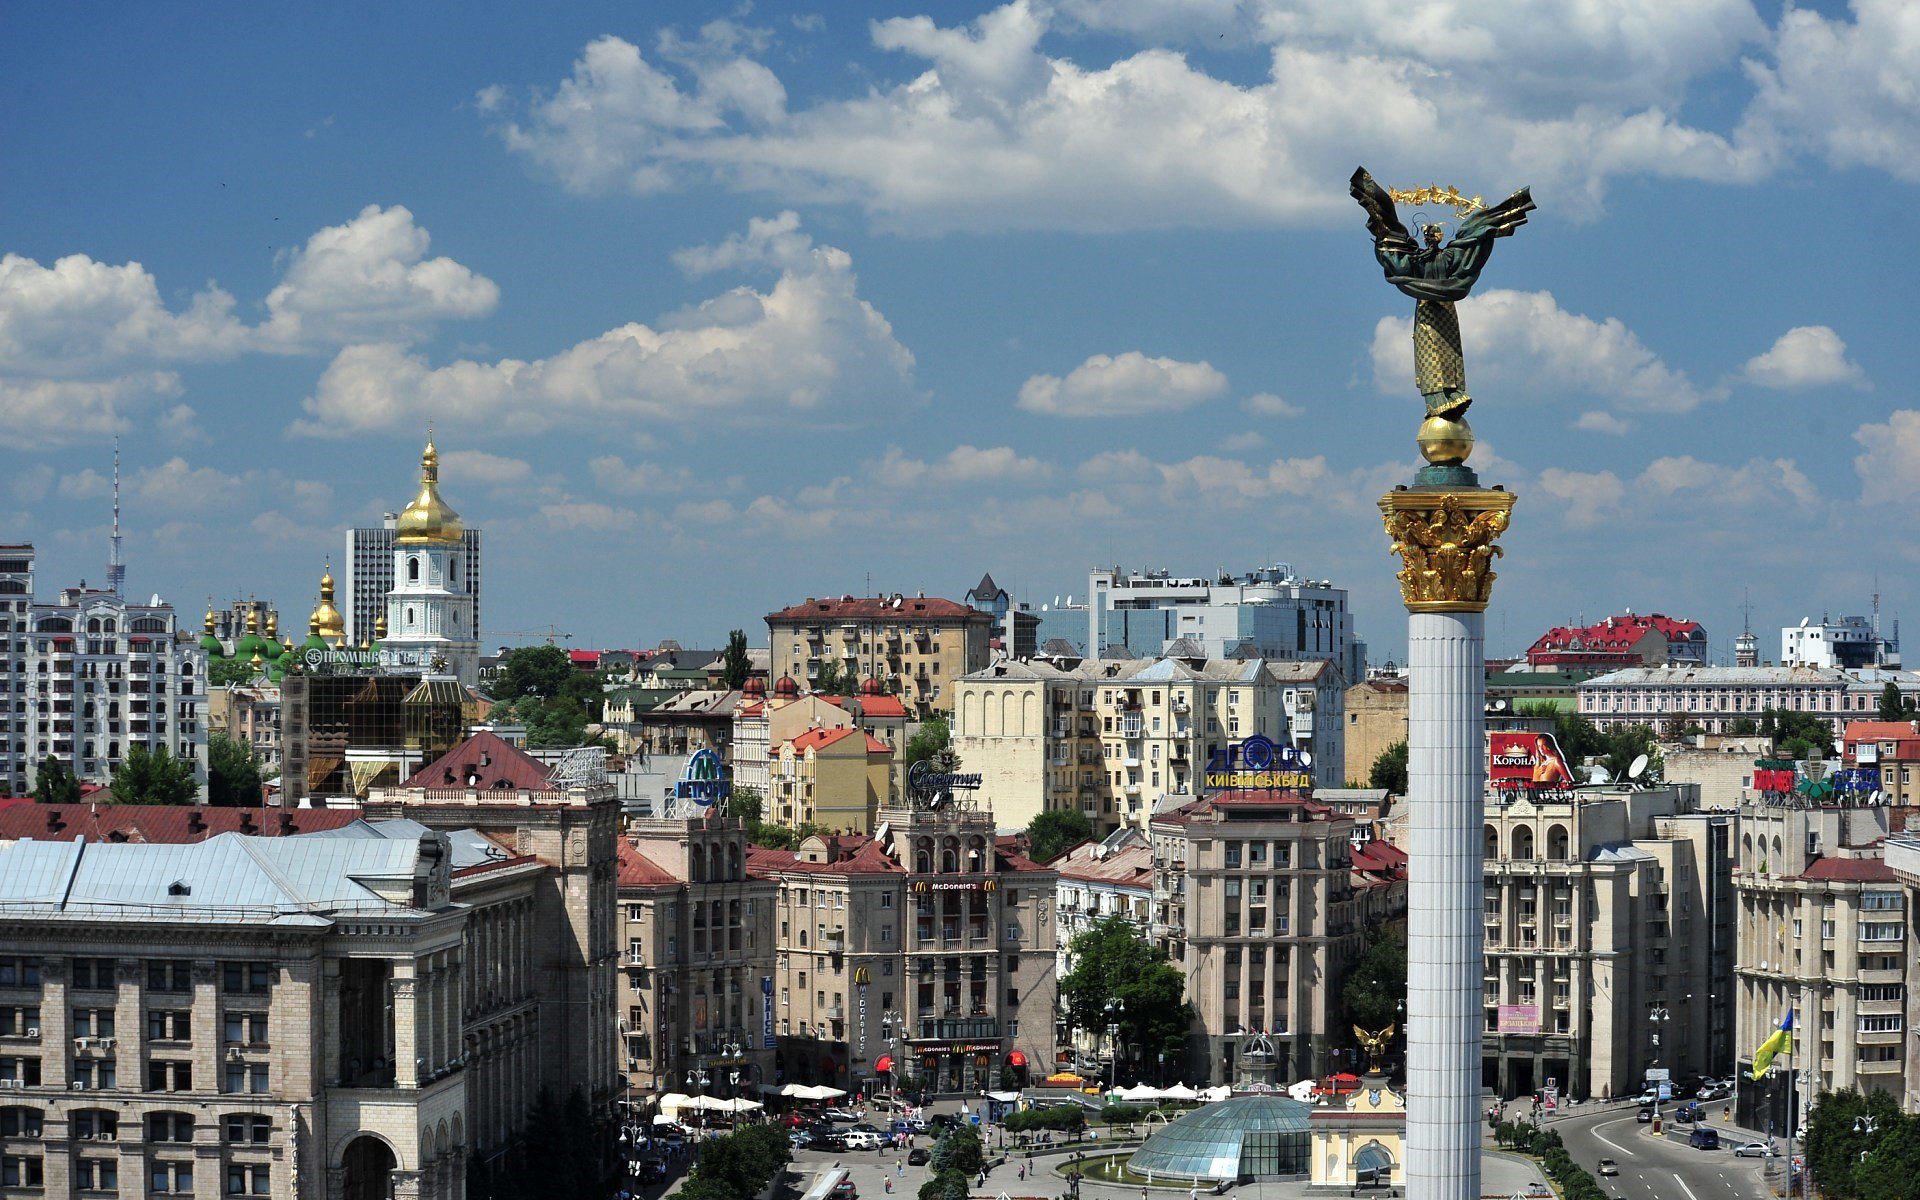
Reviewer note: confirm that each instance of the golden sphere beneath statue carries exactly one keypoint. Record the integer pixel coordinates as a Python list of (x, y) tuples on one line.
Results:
[(1444, 441)]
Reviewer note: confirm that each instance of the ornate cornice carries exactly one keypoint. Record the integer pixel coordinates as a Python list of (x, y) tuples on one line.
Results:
[(1445, 541)]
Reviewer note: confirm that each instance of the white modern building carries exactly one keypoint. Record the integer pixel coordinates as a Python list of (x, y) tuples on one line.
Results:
[(1270, 613), (91, 676), (430, 611), (1847, 642)]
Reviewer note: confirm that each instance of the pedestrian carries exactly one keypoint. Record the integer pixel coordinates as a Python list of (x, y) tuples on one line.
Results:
[(888, 1181), (1023, 1172), (983, 1179), (899, 1168)]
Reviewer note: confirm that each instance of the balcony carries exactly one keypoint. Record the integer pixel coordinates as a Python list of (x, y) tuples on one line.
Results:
[(1132, 728), (835, 941), (958, 1029), (836, 1012)]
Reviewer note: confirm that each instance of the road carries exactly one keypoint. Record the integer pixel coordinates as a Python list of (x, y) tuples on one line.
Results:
[(1663, 1167)]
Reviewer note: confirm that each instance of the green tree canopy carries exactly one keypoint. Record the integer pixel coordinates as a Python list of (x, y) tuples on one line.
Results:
[(1743, 727), (1390, 769), (1621, 744), (53, 783), (931, 740), (1112, 962), (1055, 831), (1579, 739), (154, 777), (1892, 706), (746, 804), (958, 1150), (1377, 984), (1836, 1139), (541, 671), (229, 672), (233, 773), (734, 667), (1796, 735)]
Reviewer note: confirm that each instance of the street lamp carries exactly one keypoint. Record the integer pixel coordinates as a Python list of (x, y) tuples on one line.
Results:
[(890, 1024), (1113, 1010), (1657, 1017)]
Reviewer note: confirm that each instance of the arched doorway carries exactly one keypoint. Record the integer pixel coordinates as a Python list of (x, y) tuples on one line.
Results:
[(369, 1165)]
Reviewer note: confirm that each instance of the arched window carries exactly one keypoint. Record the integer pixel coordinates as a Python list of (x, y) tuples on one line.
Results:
[(1490, 842), (20, 1121), (950, 856), (1559, 843), (923, 856), (93, 625), (413, 568), (1522, 842)]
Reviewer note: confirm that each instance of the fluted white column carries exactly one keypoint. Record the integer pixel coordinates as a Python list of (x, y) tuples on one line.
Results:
[(1445, 776)]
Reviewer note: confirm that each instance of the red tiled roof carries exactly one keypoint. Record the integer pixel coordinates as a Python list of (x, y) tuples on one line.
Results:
[(872, 706), (484, 762), (878, 608), (590, 658), (1613, 635), (637, 870), (816, 739), (1131, 867), (162, 824), (1878, 731), (1849, 870)]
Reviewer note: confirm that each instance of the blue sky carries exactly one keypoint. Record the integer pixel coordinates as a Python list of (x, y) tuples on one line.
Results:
[(715, 308)]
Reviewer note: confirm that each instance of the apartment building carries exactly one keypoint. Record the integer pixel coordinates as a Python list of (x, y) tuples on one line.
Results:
[(915, 647), (696, 974), (1376, 712), (250, 715), (762, 723), (1824, 931), (1609, 938), (1903, 857), (242, 1016), (1113, 877), (88, 677), (1631, 640), (926, 952), (1715, 697), (1112, 738), (1254, 900), (1268, 613), (836, 778), (1888, 754)]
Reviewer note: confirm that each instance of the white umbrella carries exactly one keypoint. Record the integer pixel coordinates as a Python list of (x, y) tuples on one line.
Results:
[(796, 1090), (1213, 1094), (742, 1105), (662, 1119), (1138, 1092), (1180, 1091), (1303, 1091), (675, 1100), (823, 1092)]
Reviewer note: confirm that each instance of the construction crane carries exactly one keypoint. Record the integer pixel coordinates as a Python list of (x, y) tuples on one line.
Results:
[(552, 634)]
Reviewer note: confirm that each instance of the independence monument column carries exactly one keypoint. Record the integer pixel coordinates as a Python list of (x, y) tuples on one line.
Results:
[(1444, 528)]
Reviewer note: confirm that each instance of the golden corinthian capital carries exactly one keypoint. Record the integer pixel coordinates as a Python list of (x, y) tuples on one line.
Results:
[(1445, 541)]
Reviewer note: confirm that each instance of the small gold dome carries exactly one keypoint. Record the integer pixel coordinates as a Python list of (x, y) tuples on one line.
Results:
[(253, 619), (326, 619), (380, 628), (210, 622), (428, 520), (273, 623)]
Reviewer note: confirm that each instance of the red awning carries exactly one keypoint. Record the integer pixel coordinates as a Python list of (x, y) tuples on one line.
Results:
[(1016, 1059), (883, 1063)]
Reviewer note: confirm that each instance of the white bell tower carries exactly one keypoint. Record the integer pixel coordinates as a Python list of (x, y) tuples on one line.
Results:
[(430, 609)]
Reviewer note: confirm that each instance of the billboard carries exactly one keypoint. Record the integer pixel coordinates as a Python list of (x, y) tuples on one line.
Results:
[(1519, 1018), (1527, 762), (1258, 764)]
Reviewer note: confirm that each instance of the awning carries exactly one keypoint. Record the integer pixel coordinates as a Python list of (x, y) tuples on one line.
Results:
[(1016, 1059), (883, 1063)]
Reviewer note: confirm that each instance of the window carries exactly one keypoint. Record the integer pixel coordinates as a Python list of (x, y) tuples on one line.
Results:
[(169, 1127), (246, 1078), (92, 973), (1233, 854), (92, 1022), (246, 1028), (169, 1075), (24, 1072), (91, 1123), (248, 1179), (95, 1073), (20, 1021), (21, 1170), (1881, 901), (20, 1122), (169, 975), (1882, 931), (19, 972), (1881, 1023), (1013, 1029), (246, 977), (1874, 992), (247, 1129), (169, 1026), (97, 1174), (886, 900), (171, 1179)]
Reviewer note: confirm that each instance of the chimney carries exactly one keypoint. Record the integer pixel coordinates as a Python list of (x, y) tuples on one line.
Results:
[(246, 822), (196, 823), (286, 824), (54, 823)]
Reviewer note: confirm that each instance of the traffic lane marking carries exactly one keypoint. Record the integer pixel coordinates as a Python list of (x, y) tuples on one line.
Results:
[(1595, 1131)]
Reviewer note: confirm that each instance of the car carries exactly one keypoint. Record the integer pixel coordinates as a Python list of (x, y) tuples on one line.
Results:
[(1703, 1138), (794, 1120), (1754, 1150), (919, 1156), (1538, 1191), (946, 1120), (843, 1116), (914, 1124), (901, 1126), (887, 1104), (1608, 1167), (1649, 1097), (829, 1139), (1644, 1116), (844, 1190), (864, 1127), (803, 1139), (855, 1139)]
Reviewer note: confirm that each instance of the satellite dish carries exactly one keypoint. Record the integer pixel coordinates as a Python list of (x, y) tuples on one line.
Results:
[(1637, 767)]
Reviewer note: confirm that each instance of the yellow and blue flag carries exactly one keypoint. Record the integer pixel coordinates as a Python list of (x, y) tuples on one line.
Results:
[(1781, 1042)]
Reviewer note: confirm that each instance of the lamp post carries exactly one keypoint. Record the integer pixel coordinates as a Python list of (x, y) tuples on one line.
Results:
[(1657, 1018), (1113, 1010), (890, 1034)]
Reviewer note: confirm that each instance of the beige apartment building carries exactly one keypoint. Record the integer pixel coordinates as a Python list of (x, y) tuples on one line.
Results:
[(1609, 939), (250, 715), (926, 952), (1891, 751), (1903, 856), (696, 973), (1824, 931), (835, 778), (915, 647), (1376, 719), (1254, 896), (1111, 738), (762, 722)]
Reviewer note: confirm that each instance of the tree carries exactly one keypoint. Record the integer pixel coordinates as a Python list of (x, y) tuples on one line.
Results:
[(1836, 1139), (1892, 707), (1796, 735), (1114, 963), (958, 1150), (826, 677), (1892, 1166), (533, 671), (1621, 744), (1057, 830), (229, 672), (734, 667), (233, 773), (1743, 727), (932, 739), (1390, 769), (154, 777), (1578, 738), (1376, 986), (946, 1185), (746, 804), (54, 784)]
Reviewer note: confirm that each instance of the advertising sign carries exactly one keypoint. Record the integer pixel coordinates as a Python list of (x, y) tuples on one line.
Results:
[(1527, 762), (766, 1012), (1519, 1018), (927, 780), (1771, 776), (941, 884), (704, 781), (1258, 764)]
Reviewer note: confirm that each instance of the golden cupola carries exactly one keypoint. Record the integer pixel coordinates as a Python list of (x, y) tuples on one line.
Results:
[(326, 620), (428, 520)]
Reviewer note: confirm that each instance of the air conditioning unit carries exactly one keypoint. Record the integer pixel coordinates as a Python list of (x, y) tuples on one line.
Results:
[(105, 1043), (33, 1031), (233, 1054), (83, 1043), (109, 1137), (79, 1085)]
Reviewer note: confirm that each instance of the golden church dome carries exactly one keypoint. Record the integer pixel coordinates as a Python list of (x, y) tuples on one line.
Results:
[(428, 520), (326, 619)]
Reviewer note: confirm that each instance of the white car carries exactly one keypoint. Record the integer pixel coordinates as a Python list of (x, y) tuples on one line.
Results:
[(858, 1139), (1754, 1150)]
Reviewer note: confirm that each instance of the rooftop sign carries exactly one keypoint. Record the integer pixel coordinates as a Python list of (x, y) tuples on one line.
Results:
[(704, 781), (1260, 764)]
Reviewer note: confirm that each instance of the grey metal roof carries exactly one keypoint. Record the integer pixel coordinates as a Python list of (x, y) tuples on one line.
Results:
[(471, 848), (227, 878)]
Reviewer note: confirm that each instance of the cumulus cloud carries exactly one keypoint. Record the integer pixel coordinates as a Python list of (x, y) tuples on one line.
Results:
[(1842, 89), (993, 126), (1125, 385), (1777, 483), (1889, 467), (371, 277), (81, 318), (1805, 357), (178, 486), (612, 473), (962, 464), (41, 414), (807, 344), (1590, 496), (1524, 345), (1597, 421), (478, 466), (1266, 404), (589, 517)]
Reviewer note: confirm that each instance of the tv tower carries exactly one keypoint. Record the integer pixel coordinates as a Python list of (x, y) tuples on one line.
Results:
[(116, 569)]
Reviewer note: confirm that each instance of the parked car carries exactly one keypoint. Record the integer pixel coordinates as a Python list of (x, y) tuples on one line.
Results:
[(864, 1127), (1644, 1116), (1754, 1150), (919, 1156), (844, 1190), (1538, 1191), (1703, 1138), (916, 1124), (1609, 1167), (861, 1139), (946, 1120), (802, 1139), (829, 1139), (844, 1116), (1689, 1112), (887, 1104), (794, 1120)]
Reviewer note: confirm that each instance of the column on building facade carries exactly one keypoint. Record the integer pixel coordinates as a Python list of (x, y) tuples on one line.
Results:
[(407, 1033)]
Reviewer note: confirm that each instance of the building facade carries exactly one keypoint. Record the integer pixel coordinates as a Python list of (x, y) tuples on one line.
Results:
[(367, 576), (88, 677), (914, 646), (1903, 857), (1270, 613), (1847, 642), (1713, 698), (430, 612), (1633, 640)]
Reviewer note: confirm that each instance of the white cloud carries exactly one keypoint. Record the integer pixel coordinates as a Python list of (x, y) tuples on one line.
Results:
[(808, 344), (177, 486), (997, 130), (1129, 384), (84, 485), (1522, 345), (82, 318), (612, 473), (371, 277), (39, 414), (1843, 89), (477, 466), (768, 242), (1596, 421), (1246, 439), (961, 465), (180, 424), (589, 517), (1804, 357), (1889, 469), (1590, 496), (1759, 484), (1266, 404)]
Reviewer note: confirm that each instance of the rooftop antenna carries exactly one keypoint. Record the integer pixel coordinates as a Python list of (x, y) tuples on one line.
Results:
[(116, 569), (1746, 610), (1879, 647)]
